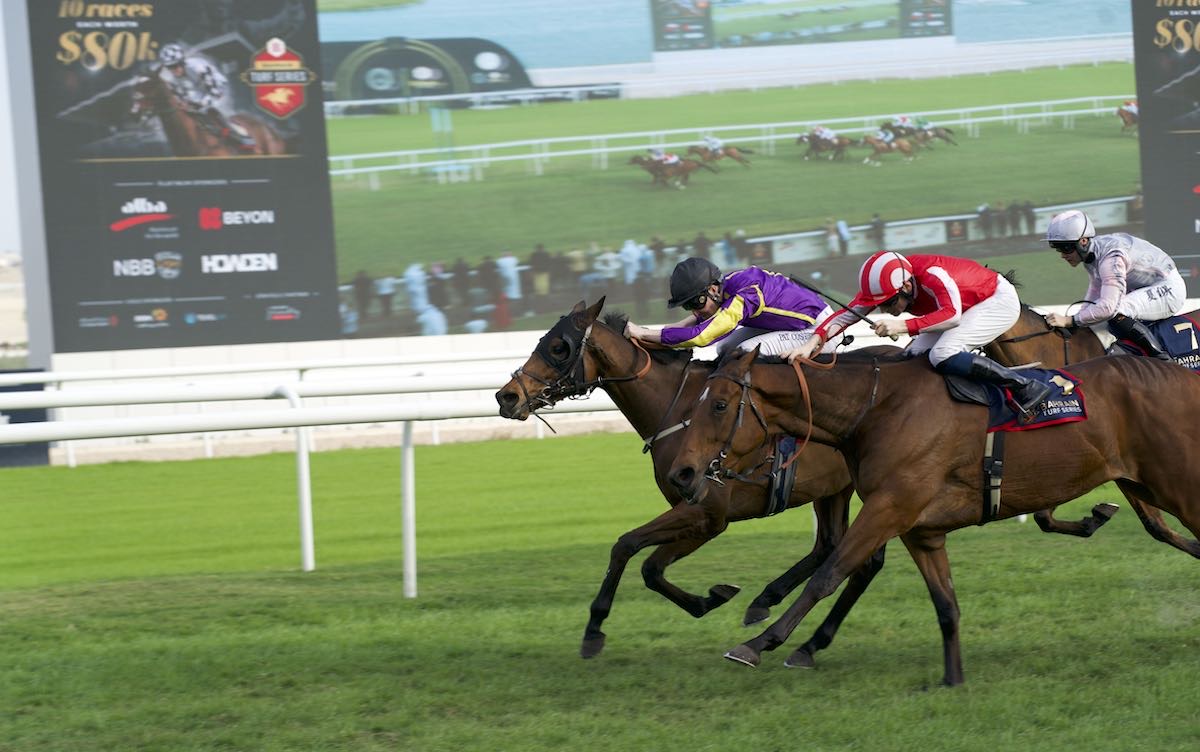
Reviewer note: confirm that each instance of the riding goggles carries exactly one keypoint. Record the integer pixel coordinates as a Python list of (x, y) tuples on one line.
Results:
[(1065, 247), (695, 303)]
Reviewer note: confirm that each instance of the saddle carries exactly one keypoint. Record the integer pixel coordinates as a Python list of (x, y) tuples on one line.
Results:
[(1067, 406), (1178, 335)]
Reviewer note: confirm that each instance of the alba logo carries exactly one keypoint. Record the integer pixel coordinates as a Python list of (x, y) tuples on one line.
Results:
[(142, 211), (213, 218)]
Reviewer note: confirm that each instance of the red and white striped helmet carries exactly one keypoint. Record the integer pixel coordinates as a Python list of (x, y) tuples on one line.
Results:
[(882, 276)]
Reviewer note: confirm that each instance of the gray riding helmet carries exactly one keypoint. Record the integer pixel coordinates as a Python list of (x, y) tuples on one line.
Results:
[(1070, 226)]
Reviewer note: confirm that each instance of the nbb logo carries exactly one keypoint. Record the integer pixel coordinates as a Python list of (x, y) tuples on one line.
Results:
[(213, 218)]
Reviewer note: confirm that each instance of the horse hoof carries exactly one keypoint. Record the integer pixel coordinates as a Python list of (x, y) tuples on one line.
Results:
[(754, 615), (591, 647), (744, 655), (800, 658), (1104, 511), (719, 595)]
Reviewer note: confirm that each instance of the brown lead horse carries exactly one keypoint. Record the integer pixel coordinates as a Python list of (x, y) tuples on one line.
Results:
[(880, 147), (187, 135), (736, 153), (916, 456), (655, 390), (665, 174)]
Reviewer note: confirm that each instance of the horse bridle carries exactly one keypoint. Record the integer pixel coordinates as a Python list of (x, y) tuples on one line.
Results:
[(716, 469), (571, 382)]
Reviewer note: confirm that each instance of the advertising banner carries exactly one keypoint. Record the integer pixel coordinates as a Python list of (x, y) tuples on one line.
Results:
[(184, 172), (1166, 43)]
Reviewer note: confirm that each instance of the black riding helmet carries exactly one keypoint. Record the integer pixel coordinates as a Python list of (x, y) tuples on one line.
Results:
[(691, 279)]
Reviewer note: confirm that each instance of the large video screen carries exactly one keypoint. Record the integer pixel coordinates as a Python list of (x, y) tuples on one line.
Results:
[(704, 24), (184, 171)]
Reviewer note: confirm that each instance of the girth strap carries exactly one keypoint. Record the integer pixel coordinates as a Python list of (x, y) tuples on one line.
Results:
[(993, 474)]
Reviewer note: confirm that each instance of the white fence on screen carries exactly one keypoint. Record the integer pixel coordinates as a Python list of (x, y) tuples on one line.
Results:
[(470, 160)]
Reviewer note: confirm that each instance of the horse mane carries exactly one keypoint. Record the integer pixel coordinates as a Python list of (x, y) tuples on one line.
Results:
[(616, 320)]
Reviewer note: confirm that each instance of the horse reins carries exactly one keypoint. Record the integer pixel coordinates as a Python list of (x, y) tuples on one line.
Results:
[(571, 382)]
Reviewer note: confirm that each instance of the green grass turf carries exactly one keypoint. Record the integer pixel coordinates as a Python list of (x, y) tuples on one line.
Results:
[(159, 607), (413, 218)]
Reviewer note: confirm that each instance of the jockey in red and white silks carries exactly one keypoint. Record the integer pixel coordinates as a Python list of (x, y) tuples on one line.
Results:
[(958, 306)]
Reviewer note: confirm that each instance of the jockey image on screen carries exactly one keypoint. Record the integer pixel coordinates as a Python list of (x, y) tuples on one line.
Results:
[(664, 157), (202, 88), (826, 134), (1130, 106), (714, 144), (885, 135), (741, 309), (1130, 280), (958, 306)]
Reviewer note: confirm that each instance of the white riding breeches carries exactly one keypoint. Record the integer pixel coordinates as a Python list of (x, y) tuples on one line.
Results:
[(1156, 302), (775, 342), (979, 325)]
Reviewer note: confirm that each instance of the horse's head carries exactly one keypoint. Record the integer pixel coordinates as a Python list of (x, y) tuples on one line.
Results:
[(725, 420), (150, 93), (803, 138), (555, 370)]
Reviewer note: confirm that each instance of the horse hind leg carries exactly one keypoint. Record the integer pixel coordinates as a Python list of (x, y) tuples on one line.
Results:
[(1142, 501), (1101, 513)]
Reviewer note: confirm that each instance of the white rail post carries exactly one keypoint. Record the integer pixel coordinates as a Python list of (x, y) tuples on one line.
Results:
[(408, 511), (303, 484)]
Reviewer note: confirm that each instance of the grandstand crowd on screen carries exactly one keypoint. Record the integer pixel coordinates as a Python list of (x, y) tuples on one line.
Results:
[(492, 294)]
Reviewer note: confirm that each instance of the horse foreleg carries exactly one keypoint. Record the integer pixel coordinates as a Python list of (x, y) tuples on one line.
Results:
[(802, 657), (683, 522), (929, 553), (1139, 498), (1101, 513), (833, 517), (867, 533)]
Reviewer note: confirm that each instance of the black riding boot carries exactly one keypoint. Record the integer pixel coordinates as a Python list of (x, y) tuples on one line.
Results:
[(1027, 393), (1124, 327)]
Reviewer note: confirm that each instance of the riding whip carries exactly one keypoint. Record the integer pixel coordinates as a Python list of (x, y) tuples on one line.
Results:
[(836, 302)]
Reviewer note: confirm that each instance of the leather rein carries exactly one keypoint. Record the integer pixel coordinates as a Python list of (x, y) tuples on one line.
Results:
[(716, 469)]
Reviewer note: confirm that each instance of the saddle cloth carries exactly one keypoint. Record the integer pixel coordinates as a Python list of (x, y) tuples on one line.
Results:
[(1180, 336), (1065, 405)]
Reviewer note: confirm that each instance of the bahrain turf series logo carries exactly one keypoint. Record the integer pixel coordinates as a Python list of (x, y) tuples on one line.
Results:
[(279, 79)]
